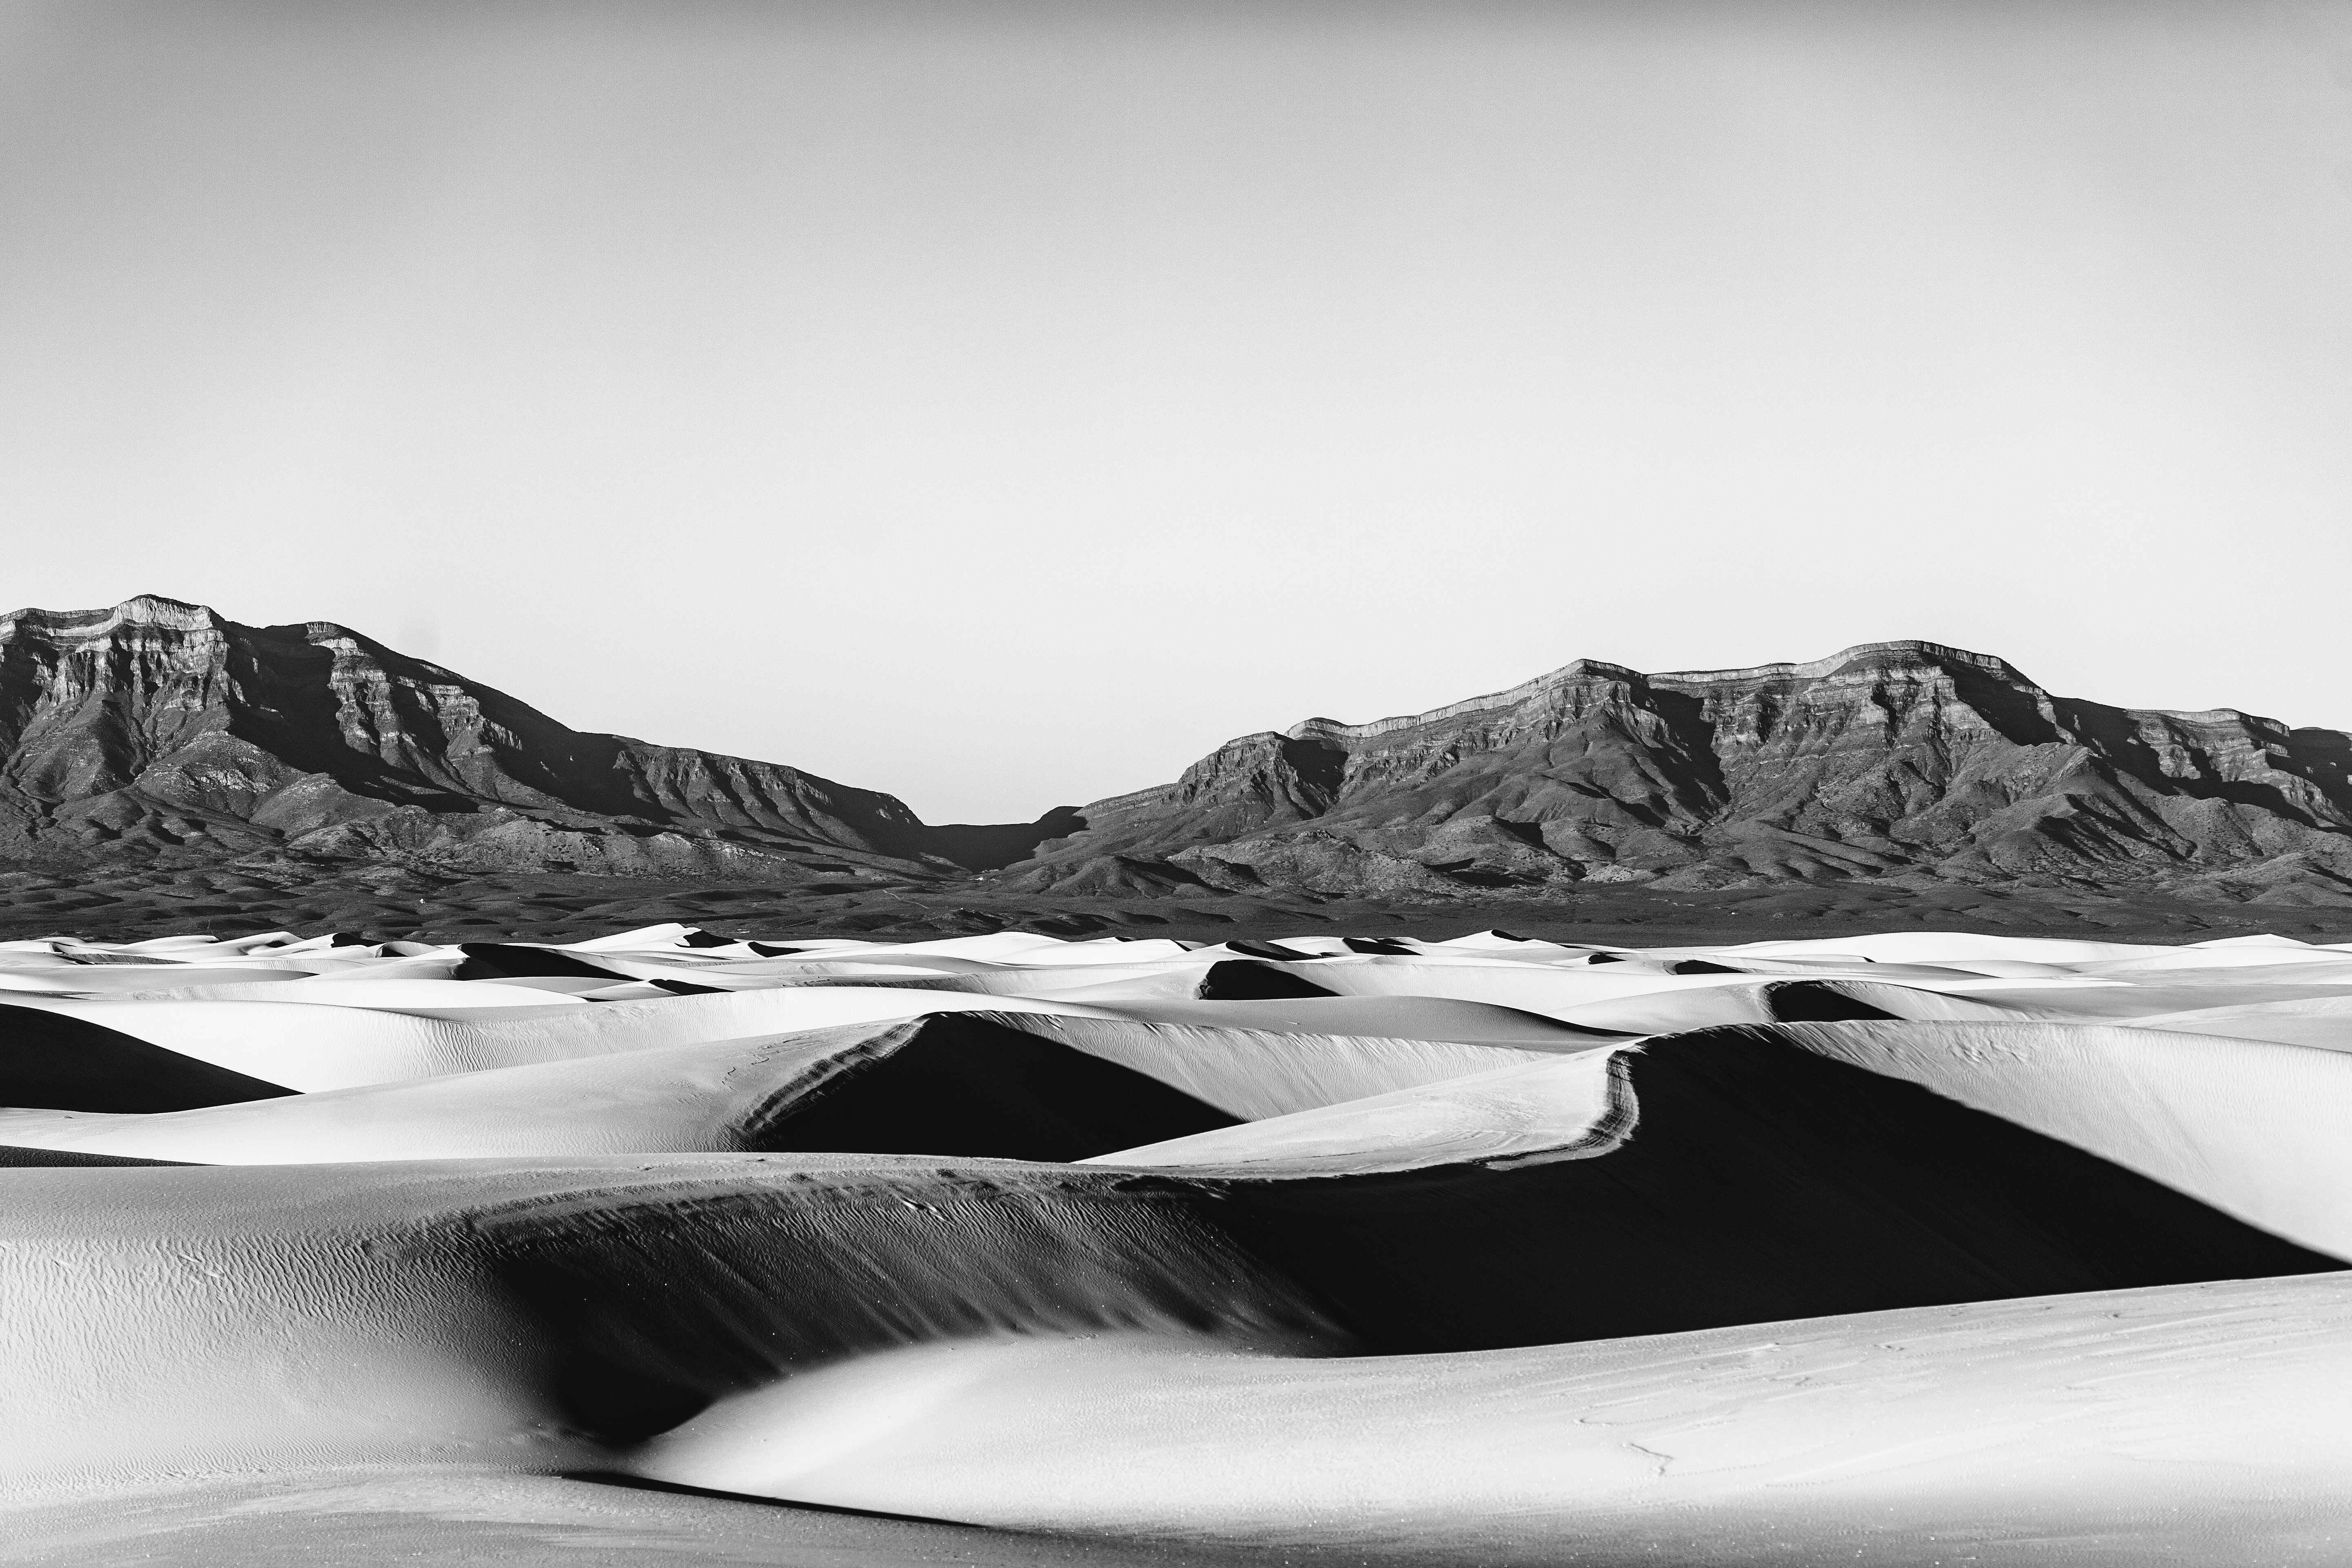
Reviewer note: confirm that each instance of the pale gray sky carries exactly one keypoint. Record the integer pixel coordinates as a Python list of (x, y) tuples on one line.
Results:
[(1001, 403)]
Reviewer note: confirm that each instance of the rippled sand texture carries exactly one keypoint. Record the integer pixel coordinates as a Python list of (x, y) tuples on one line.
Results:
[(654, 1248)]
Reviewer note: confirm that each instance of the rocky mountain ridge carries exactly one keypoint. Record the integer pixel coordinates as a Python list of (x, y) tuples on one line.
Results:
[(159, 735), (160, 732), (1889, 761)]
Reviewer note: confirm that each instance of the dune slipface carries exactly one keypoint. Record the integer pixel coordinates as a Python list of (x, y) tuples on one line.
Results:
[(655, 1246)]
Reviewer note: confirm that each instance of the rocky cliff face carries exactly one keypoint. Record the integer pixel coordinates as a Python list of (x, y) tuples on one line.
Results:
[(160, 732), (1891, 762)]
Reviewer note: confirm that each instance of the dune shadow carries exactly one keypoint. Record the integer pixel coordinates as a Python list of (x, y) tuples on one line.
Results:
[(679, 1489), (965, 1086), (1760, 1183), (53, 1061)]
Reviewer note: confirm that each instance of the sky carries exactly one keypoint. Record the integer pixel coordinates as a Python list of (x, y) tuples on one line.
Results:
[(1002, 402)]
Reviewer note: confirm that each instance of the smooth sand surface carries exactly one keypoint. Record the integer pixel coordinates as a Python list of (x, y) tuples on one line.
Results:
[(2056, 1430), (1564, 1108)]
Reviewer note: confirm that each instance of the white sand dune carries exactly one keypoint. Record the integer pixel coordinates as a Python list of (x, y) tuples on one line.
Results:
[(1556, 1107), (320, 1045), (511, 1312), (1258, 1073), (1945, 947), (1891, 1248), (2056, 1430), (1004, 1094), (1429, 1018), (415, 994), (86, 980), (2323, 1022)]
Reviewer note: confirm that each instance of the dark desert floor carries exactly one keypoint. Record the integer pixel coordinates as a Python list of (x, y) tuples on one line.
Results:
[(387, 904)]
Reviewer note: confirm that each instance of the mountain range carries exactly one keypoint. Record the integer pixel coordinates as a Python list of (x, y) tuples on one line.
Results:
[(158, 735)]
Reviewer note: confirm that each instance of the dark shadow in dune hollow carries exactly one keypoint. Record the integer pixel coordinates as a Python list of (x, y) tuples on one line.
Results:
[(1251, 980), (1760, 1183), (22, 1158), (646, 1308), (1817, 1002), (49, 1061), (971, 1087), (522, 961)]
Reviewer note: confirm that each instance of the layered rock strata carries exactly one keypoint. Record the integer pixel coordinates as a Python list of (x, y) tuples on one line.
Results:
[(1887, 762), (159, 733)]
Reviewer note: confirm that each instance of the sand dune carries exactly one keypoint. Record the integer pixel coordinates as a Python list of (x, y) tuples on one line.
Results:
[(69, 1063), (311, 1046), (1569, 1108), (2052, 1429), (2325, 1022), (1481, 1250), (2229, 1121), (949, 1083), (1258, 1073), (217, 1317), (1758, 1182)]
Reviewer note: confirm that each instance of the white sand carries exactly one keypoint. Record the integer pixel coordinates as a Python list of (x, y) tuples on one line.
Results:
[(1558, 1108), (1942, 1431), (520, 1225)]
